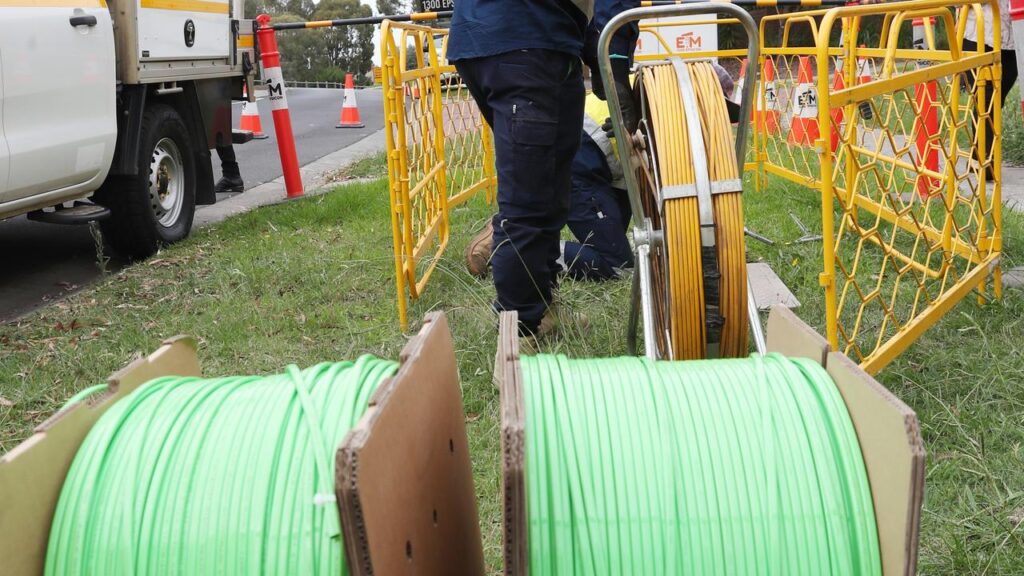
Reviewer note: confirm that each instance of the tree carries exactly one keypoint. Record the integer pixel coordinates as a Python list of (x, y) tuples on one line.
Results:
[(347, 49), (325, 54), (254, 8), (303, 8), (388, 7), (298, 49)]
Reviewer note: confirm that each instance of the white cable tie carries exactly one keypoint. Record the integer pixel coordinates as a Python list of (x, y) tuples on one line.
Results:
[(321, 499)]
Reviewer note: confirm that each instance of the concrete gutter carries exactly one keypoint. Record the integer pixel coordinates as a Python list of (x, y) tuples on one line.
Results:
[(315, 177)]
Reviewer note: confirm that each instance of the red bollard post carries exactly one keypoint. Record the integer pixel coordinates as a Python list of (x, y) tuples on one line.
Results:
[(279, 106), (927, 122), (927, 128)]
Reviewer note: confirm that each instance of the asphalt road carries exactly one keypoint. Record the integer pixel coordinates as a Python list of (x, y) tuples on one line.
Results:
[(44, 262)]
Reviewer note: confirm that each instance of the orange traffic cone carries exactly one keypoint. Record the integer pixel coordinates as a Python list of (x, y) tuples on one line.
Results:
[(837, 113), (863, 77), (803, 131), (251, 120), (767, 119), (349, 109), (737, 92)]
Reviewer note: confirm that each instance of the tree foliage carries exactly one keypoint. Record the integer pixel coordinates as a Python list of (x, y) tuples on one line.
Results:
[(321, 54), (388, 7)]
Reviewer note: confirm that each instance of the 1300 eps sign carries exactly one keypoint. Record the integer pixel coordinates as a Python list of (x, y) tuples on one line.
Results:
[(436, 5)]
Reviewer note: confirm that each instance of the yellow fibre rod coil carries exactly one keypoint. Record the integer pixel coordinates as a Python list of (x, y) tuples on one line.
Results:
[(686, 321)]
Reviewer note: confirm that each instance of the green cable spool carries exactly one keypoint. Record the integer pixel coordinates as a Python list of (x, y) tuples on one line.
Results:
[(214, 476), (740, 467)]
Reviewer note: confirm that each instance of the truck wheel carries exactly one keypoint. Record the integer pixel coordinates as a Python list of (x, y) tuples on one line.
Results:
[(155, 208)]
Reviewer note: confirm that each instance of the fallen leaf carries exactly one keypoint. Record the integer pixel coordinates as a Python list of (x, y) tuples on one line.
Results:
[(60, 327), (5, 402), (1016, 517)]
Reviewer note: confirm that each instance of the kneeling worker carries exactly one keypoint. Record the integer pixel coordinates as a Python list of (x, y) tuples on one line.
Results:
[(599, 210)]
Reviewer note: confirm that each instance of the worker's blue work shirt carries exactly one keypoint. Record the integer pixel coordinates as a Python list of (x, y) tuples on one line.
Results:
[(624, 41), (488, 27)]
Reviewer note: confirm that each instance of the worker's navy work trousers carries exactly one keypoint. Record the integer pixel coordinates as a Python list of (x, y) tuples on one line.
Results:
[(599, 219), (533, 101)]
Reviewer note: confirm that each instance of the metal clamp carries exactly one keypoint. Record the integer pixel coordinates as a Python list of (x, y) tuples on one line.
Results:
[(690, 190)]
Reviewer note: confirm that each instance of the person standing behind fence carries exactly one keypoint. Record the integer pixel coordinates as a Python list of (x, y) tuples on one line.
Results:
[(1006, 48), (520, 60)]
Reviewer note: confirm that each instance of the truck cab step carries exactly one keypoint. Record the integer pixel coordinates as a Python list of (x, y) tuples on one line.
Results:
[(241, 136), (79, 213)]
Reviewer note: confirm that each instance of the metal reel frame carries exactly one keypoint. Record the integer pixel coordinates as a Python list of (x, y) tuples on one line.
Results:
[(648, 239)]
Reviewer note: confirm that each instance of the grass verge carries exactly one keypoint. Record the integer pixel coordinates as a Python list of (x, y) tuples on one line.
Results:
[(312, 280), (1013, 128)]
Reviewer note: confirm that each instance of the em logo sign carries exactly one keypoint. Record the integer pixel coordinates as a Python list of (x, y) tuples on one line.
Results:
[(666, 36)]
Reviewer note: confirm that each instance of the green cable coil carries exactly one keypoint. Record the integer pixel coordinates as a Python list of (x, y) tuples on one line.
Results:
[(82, 395), (739, 467), (217, 476)]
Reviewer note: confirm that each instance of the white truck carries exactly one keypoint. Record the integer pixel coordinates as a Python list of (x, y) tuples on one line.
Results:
[(109, 110)]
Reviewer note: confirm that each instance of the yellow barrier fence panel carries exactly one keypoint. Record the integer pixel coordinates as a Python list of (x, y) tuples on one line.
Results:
[(439, 151), (896, 146)]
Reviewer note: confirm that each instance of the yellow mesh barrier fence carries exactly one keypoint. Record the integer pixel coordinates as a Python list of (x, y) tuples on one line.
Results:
[(440, 151), (894, 139)]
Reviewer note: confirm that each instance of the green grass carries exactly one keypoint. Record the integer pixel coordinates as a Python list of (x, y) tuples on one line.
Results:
[(313, 280), (373, 166), (1013, 128)]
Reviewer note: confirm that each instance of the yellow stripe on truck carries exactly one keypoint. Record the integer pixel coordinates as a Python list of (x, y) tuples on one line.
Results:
[(186, 5), (245, 41), (53, 4)]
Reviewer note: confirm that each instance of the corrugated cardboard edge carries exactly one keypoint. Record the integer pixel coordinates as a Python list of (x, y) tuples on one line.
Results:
[(789, 336), (508, 377), (890, 440), (32, 474), (404, 479), (889, 436)]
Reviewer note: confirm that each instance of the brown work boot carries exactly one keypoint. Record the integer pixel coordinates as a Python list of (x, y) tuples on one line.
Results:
[(528, 346), (557, 317), (478, 252)]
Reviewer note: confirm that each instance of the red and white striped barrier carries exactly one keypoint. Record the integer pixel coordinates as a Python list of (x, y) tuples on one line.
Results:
[(767, 119), (804, 130), (271, 59)]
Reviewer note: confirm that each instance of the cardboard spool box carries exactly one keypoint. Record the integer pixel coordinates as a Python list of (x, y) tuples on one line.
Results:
[(887, 429), (403, 478)]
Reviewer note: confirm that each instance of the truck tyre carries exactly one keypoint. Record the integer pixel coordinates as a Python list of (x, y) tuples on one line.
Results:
[(155, 207)]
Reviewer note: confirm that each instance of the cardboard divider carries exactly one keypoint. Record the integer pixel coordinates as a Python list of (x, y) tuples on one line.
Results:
[(32, 474), (789, 336), (890, 440), (404, 478), (889, 436), (508, 377)]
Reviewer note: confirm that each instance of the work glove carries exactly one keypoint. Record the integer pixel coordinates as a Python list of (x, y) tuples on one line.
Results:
[(609, 131), (620, 74)]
